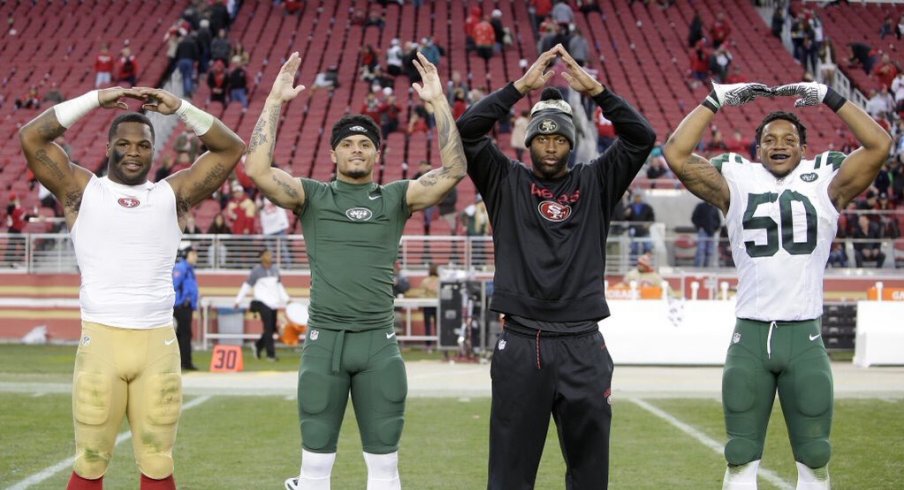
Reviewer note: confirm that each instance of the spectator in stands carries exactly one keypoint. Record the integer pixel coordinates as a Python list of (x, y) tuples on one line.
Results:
[(369, 57), (16, 218), (420, 120), (644, 274), (448, 211), (217, 254), (695, 30), (103, 67), (563, 15), (239, 50), (219, 16), (880, 105), (389, 115), (238, 83), (484, 39), (185, 284), (269, 296), (887, 28), (31, 99), (456, 82), (578, 47), (128, 68), (778, 20), (429, 288), (375, 19), (826, 64), (220, 48), (657, 168), (699, 64), (408, 57), (191, 227), (328, 79), (720, 30), (218, 82), (641, 216), (431, 50), (353, 305), (371, 106), (500, 32), (707, 221), (720, 63), (837, 255), (605, 131), (125, 244), (519, 134), (394, 57), (241, 211), (423, 168), (204, 39), (187, 58), (540, 10), (862, 55), (475, 15), (867, 245), (885, 72)]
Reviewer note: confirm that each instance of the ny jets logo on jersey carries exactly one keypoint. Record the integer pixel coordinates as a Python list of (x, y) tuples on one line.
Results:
[(359, 214), (736, 338), (128, 202), (314, 334), (809, 177), (547, 126), (553, 211)]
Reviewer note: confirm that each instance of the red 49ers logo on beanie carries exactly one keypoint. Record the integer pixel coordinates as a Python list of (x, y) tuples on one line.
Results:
[(128, 202), (553, 211)]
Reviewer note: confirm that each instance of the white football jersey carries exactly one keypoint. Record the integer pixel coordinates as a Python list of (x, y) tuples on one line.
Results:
[(781, 231)]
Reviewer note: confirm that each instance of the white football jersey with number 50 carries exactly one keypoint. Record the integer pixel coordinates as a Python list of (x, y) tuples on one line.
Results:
[(781, 232)]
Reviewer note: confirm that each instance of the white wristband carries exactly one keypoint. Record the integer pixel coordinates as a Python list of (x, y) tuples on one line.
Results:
[(196, 119), (74, 109)]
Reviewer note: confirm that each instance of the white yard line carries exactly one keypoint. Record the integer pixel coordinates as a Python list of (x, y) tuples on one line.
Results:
[(67, 463), (707, 441)]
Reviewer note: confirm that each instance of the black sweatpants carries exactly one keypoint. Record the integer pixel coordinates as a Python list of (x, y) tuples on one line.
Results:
[(268, 318), (183, 316), (535, 376)]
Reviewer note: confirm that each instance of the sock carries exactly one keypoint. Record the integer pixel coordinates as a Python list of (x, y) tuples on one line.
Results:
[(148, 483), (316, 469), (812, 478), (383, 471), (78, 483), (742, 477)]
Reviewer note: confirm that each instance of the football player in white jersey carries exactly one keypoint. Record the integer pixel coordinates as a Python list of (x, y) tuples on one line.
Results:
[(781, 214), (126, 231)]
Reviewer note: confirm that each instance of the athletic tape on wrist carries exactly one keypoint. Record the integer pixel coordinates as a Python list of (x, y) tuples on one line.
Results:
[(74, 109), (833, 99), (196, 119), (711, 102)]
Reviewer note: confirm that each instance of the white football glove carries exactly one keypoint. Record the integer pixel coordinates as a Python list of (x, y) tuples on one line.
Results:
[(739, 93), (810, 93)]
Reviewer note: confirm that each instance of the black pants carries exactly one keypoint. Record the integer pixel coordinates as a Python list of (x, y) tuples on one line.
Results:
[(567, 376), (183, 315), (268, 318)]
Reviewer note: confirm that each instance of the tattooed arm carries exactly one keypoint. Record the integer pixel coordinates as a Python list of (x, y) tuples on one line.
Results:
[(210, 170), (430, 188), (48, 161), (279, 187), (695, 172)]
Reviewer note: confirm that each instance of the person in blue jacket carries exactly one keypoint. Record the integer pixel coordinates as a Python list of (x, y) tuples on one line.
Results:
[(186, 285)]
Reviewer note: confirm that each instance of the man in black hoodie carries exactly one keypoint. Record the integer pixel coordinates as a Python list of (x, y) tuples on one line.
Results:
[(549, 230)]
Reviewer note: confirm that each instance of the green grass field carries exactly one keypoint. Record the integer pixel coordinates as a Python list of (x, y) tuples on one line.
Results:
[(244, 442)]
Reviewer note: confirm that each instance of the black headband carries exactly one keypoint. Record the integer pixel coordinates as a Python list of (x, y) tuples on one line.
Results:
[(353, 128)]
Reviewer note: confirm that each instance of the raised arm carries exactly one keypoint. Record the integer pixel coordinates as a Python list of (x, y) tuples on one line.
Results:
[(696, 172), (48, 161), (860, 168), (210, 170), (280, 187), (430, 188)]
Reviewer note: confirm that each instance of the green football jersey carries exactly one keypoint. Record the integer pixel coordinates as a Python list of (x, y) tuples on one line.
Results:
[(352, 232)]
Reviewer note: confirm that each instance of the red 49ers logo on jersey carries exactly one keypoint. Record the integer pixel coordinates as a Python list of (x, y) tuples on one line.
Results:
[(554, 211), (128, 202)]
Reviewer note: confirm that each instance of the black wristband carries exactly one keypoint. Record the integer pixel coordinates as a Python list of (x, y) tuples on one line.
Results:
[(833, 99), (711, 102)]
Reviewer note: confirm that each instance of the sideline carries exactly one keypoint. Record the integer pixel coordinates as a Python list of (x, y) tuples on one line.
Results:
[(707, 441)]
